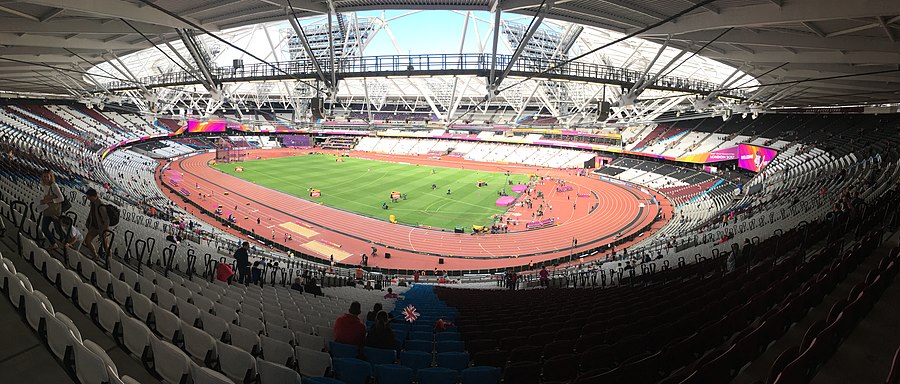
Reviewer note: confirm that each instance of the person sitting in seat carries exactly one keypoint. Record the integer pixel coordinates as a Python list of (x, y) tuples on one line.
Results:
[(298, 284), (312, 288), (374, 312), (349, 329), (381, 335)]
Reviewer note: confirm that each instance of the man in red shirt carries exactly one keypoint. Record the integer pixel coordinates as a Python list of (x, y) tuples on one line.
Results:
[(349, 329), (545, 277)]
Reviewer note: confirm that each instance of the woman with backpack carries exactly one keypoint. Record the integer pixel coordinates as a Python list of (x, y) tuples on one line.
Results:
[(51, 201), (97, 223)]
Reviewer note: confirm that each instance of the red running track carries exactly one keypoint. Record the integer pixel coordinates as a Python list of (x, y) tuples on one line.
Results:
[(618, 214)]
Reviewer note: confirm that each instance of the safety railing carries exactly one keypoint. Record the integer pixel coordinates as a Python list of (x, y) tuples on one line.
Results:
[(430, 64)]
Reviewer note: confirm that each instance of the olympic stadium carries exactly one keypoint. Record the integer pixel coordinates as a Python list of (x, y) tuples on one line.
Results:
[(603, 191)]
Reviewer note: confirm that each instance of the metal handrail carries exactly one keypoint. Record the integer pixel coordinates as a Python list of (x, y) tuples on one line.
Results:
[(426, 64)]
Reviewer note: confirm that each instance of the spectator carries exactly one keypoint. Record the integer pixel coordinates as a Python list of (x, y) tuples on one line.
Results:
[(51, 203), (441, 325), (349, 329), (312, 288), (374, 312), (391, 294), (224, 273), (242, 255), (97, 224), (75, 237), (544, 276), (298, 284), (256, 272), (381, 336), (747, 253)]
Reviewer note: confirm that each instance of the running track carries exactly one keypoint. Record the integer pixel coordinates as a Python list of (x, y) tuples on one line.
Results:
[(419, 248)]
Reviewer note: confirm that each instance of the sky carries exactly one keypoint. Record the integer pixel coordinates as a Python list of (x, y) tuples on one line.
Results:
[(426, 32)]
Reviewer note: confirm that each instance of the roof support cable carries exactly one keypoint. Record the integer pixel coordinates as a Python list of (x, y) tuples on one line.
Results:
[(530, 31), (161, 50), (763, 74), (698, 51), (66, 69), (86, 61), (301, 35), (614, 42), (226, 42)]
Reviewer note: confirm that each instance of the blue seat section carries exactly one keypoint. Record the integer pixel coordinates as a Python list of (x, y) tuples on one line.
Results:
[(351, 371), (415, 359), (480, 375), (450, 346), (338, 350), (437, 375), (419, 335), (321, 380), (447, 336), (453, 360), (393, 374), (376, 356), (427, 304), (420, 345)]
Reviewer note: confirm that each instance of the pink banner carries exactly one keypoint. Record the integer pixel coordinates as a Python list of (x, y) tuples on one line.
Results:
[(755, 158), (505, 201), (539, 224)]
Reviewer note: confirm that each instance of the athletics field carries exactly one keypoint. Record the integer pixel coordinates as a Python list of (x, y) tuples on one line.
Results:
[(362, 186)]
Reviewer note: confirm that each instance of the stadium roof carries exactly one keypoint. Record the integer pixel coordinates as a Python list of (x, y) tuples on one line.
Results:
[(817, 52)]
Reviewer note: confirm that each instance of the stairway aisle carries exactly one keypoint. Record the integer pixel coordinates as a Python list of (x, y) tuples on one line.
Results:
[(22, 357), (125, 363), (865, 356), (759, 369)]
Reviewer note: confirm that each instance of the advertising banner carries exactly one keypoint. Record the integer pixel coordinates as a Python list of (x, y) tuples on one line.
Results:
[(755, 158)]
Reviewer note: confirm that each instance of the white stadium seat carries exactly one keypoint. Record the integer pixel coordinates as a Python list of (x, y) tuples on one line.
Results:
[(235, 363), (272, 373), (37, 309), (198, 344), (170, 362), (203, 375), (312, 362)]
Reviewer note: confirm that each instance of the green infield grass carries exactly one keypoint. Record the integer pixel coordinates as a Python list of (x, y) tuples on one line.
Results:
[(362, 186)]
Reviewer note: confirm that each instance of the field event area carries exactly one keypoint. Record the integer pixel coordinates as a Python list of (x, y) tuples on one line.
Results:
[(365, 187)]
